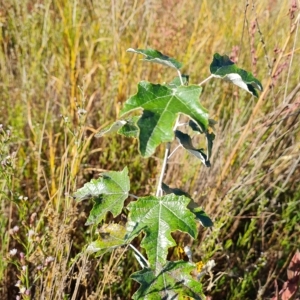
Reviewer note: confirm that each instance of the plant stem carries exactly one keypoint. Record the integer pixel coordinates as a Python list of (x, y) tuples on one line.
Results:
[(180, 77), (204, 81), (133, 196), (163, 168), (174, 151), (167, 151)]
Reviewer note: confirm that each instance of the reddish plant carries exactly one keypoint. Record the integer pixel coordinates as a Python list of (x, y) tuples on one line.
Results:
[(291, 286)]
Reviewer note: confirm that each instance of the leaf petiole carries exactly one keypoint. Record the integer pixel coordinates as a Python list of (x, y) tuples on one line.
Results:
[(178, 146), (133, 196), (205, 80), (180, 77)]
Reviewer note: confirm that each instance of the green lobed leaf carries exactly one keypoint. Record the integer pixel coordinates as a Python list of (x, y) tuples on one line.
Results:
[(210, 136), (196, 127), (127, 128), (130, 129), (109, 193), (176, 81), (202, 217), (200, 129), (114, 127), (158, 217), (186, 142), (173, 282), (199, 213), (177, 192), (110, 237), (223, 67), (161, 105), (155, 56)]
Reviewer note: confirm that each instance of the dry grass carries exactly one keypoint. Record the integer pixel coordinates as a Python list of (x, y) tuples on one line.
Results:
[(64, 73)]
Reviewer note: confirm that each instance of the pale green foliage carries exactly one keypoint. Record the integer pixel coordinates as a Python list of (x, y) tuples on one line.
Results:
[(223, 67), (161, 106)]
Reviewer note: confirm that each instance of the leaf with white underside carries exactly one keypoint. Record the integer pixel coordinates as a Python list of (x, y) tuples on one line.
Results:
[(110, 237), (223, 67), (126, 127), (114, 127), (108, 192), (198, 129), (186, 142), (155, 56), (130, 128), (178, 82), (209, 134), (174, 281), (161, 105), (157, 217)]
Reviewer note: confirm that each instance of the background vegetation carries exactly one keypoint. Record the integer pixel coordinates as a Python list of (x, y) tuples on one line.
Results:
[(64, 74)]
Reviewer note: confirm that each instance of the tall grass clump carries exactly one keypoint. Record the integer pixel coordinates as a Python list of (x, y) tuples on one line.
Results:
[(65, 74)]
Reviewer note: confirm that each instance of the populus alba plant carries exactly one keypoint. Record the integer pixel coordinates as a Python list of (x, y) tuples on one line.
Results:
[(160, 107)]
